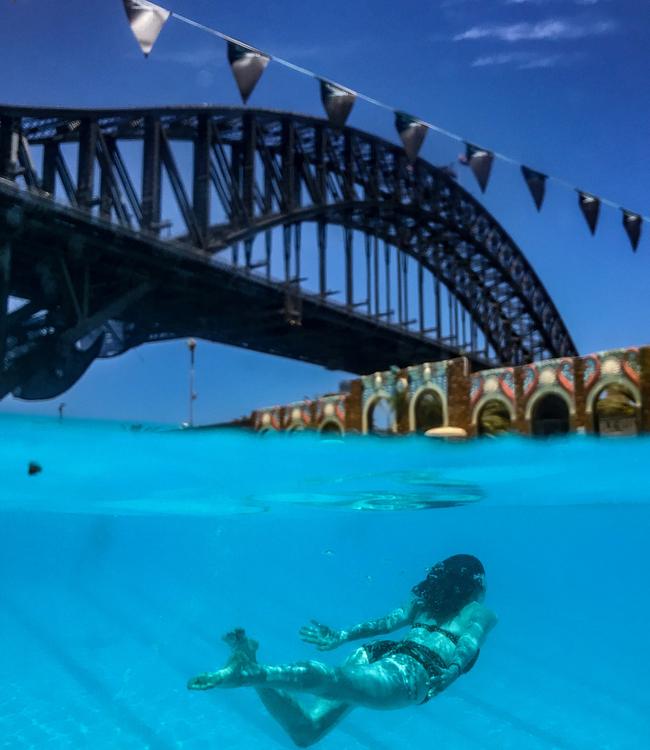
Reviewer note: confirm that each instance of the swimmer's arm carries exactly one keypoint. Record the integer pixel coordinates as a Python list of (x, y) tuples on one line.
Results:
[(467, 648), (325, 638), (473, 638), (398, 618)]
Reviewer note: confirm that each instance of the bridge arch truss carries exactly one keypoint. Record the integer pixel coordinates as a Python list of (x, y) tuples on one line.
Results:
[(418, 260)]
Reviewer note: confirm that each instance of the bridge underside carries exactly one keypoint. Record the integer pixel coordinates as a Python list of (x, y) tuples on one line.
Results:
[(84, 280), (130, 226)]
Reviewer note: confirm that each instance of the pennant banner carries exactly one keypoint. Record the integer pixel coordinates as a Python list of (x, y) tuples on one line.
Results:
[(338, 102), (146, 21), (412, 132), (632, 223), (536, 182), (480, 162), (590, 207), (247, 67)]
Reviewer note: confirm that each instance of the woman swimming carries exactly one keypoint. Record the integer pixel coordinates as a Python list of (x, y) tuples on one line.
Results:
[(448, 624)]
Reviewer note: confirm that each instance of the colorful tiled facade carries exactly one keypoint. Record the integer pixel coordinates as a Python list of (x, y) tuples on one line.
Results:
[(522, 392)]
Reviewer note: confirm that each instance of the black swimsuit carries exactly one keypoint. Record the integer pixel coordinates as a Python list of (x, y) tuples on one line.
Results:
[(432, 662), (453, 637), (429, 659)]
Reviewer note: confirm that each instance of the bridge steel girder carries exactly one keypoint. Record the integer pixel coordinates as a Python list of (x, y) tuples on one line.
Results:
[(82, 246)]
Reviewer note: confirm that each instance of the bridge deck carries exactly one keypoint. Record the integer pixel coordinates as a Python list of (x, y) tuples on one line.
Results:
[(189, 293)]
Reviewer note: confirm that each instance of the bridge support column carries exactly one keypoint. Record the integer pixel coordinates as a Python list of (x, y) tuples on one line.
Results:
[(8, 147), (201, 187), (151, 176), (50, 157), (86, 163), (322, 258), (5, 272), (349, 281)]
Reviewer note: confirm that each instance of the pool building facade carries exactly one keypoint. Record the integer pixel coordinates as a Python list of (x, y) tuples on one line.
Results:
[(604, 393)]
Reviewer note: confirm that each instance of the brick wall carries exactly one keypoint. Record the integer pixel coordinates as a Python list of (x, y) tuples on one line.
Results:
[(354, 406), (458, 394)]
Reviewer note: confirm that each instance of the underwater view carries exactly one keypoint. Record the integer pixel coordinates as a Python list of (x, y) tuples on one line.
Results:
[(128, 551)]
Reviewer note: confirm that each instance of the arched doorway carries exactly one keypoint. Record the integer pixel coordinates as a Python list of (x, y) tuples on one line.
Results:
[(428, 411), (550, 416), (493, 418), (381, 418), (615, 411), (331, 429)]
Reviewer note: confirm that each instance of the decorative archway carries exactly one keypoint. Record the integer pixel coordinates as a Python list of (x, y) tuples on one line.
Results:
[(487, 398), (619, 412), (550, 413), (422, 390), (331, 427), (546, 391), (604, 383), (378, 399), (493, 415), (418, 421)]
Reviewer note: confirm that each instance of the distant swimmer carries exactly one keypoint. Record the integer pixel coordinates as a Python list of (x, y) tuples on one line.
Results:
[(448, 624)]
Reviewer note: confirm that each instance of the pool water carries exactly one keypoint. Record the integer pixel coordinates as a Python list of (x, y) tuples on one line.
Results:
[(136, 547)]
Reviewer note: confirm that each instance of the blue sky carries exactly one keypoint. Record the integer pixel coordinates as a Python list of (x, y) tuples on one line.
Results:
[(560, 85)]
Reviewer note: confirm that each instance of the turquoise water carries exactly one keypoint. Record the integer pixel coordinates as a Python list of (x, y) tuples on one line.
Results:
[(128, 556)]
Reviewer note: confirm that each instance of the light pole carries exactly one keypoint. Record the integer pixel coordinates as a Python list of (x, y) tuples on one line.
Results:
[(191, 345)]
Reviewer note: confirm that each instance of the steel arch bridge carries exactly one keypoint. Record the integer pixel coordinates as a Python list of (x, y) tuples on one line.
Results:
[(126, 226)]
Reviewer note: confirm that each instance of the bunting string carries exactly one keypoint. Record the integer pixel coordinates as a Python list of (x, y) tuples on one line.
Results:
[(249, 62)]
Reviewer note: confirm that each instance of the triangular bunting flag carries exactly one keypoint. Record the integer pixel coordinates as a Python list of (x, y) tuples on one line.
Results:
[(247, 67), (590, 207), (146, 21), (632, 223), (480, 162), (536, 182), (338, 102), (412, 132)]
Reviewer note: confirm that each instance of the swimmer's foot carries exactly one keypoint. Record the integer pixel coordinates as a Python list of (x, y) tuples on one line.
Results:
[(241, 668), (241, 645)]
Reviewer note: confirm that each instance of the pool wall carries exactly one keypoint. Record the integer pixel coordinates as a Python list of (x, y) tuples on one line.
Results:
[(556, 395)]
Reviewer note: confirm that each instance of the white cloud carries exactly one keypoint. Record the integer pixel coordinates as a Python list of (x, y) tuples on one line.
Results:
[(523, 60), (503, 58), (550, 30)]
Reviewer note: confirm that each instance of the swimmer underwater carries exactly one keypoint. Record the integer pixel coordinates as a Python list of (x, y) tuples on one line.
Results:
[(448, 624)]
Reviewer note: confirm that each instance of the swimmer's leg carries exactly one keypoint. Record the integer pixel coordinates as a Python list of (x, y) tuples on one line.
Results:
[(304, 724), (307, 725), (382, 685)]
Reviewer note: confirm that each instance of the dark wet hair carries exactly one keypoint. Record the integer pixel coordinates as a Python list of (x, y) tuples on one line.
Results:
[(450, 585)]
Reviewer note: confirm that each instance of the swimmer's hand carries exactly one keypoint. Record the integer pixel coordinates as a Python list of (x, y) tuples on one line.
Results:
[(442, 681), (203, 681), (322, 636)]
